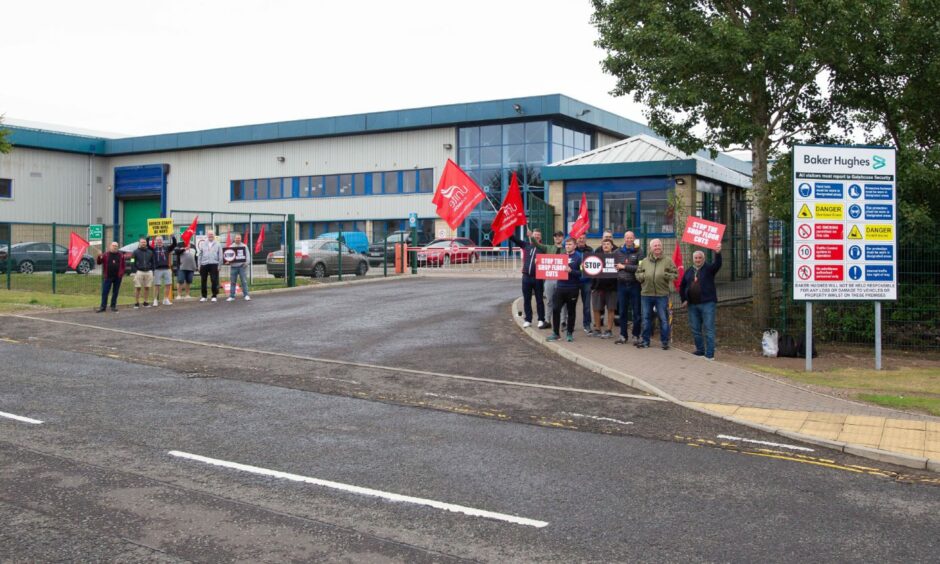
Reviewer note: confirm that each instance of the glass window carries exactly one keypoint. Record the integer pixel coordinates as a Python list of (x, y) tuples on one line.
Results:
[(513, 133), (569, 138), (469, 157), (316, 186), (469, 137), (249, 189), (558, 152), (359, 184), (6, 188), (513, 154), (490, 156), (331, 185), (304, 183), (426, 180), (262, 192), (620, 212), (569, 152), (409, 181), (345, 185), (40, 248), (535, 153), (376, 182), (276, 188), (656, 216), (237, 193), (391, 183), (489, 135), (558, 134), (536, 132), (573, 205)]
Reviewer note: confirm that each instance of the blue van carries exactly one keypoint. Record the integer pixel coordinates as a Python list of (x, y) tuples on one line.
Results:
[(355, 240)]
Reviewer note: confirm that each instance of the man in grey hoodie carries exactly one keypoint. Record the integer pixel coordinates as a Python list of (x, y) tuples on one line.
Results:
[(210, 257)]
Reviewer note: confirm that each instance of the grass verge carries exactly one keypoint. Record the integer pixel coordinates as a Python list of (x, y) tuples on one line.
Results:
[(904, 403)]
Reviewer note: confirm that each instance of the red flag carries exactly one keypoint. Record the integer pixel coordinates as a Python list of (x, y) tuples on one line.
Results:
[(677, 258), (456, 196), (77, 247), (228, 239), (259, 240), (188, 234), (510, 214), (583, 221)]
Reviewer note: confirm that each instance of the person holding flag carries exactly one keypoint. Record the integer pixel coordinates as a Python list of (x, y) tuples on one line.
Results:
[(510, 215), (655, 273), (186, 262), (579, 229)]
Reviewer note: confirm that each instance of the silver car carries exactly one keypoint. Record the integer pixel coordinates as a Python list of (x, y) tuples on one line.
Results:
[(318, 258)]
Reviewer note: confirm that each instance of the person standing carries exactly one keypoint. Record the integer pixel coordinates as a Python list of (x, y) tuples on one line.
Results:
[(566, 294), (237, 271), (656, 274), (604, 298), (697, 290), (210, 257), (143, 272), (186, 263), (530, 284), (583, 248), (112, 274), (162, 278), (627, 258), (551, 285)]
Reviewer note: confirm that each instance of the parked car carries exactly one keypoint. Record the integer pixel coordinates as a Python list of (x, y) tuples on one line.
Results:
[(32, 257), (377, 251), (444, 252), (355, 240), (318, 258)]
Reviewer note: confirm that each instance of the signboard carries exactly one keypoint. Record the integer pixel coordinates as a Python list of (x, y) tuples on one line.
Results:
[(160, 226), (412, 220), (599, 265), (95, 233), (702, 232), (551, 267), (235, 255), (845, 231)]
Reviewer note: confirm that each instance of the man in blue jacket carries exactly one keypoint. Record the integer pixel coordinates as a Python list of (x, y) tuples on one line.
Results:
[(530, 284), (566, 294), (697, 290), (626, 260)]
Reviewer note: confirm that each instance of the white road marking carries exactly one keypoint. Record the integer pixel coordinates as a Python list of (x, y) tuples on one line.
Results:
[(765, 443), (20, 418), (362, 491), (596, 418), (346, 363)]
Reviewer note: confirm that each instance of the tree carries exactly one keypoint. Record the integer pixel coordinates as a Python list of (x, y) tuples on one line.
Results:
[(5, 146), (727, 75)]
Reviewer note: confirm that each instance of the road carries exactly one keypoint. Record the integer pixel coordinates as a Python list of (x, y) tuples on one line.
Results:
[(403, 388)]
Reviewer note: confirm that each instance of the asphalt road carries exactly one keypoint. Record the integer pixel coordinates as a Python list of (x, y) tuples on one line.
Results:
[(612, 477)]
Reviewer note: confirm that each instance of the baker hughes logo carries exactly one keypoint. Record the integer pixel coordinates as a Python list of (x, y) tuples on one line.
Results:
[(875, 162), (879, 162), (455, 195)]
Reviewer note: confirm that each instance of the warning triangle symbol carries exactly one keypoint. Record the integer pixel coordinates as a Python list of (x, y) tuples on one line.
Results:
[(805, 213), (855, 233)]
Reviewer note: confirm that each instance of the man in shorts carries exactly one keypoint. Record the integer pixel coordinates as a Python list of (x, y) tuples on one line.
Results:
[(162, 277), (143, 272)]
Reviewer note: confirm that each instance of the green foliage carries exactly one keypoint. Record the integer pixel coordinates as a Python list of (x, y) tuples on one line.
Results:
[(5, 146)]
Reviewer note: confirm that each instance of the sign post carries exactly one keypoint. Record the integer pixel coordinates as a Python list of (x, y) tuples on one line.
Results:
[(95, 233), (844, 229)]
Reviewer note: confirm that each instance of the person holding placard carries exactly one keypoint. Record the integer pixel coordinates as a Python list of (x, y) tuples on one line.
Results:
[(697, 290), (237, 266), (566, 294)]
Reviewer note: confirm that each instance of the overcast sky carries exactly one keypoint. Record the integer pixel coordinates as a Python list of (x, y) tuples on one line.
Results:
[(141, 67)]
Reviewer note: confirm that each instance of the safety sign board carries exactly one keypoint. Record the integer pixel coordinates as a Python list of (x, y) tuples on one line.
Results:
[(844, 236)]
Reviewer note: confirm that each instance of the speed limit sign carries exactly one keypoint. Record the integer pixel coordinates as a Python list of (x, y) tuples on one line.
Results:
[(805, 252)]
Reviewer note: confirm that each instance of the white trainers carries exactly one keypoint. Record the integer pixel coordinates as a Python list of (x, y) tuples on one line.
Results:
[(542, 325), (167, 302), (527, 325), (155, 302), (247, 298), (230, 299), (214, 300), (202, 299)]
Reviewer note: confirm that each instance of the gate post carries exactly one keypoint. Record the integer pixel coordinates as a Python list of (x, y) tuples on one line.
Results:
[(53, 258), (289, 252)]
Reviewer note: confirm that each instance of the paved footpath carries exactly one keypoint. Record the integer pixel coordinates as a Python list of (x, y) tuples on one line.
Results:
[(762, 402)]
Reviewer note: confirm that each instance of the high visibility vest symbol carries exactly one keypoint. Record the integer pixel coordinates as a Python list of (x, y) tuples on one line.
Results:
[(805, 213), (855, 233)]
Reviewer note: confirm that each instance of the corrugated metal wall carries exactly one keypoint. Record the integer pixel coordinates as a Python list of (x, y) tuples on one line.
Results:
[(200, 179), (602, 139), (50, 186)]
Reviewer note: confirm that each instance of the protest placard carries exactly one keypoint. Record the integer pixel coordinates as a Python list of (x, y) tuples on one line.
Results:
[(551, 267), (702, 232)]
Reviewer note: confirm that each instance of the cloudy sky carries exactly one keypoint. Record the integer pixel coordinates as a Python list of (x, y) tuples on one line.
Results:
[(137, 67)]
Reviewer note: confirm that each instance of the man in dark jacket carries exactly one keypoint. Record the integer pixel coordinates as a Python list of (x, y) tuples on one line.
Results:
[(550, 285), (626, 260), (162, 276), (143, 272), (530, 284), (697, 290), (583, 248), (566, 295), (112, 273)]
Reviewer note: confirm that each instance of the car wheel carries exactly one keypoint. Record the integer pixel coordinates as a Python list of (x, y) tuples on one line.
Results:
[(362, 268), (279, 276), (84, 267), (319, 270), (446, 260), (26, 267)]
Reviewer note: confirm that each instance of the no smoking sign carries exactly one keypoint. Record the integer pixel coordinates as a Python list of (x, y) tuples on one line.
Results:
[(805, 231)]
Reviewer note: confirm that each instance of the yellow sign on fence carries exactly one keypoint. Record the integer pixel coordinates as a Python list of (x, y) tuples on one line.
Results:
[(160, 226)]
